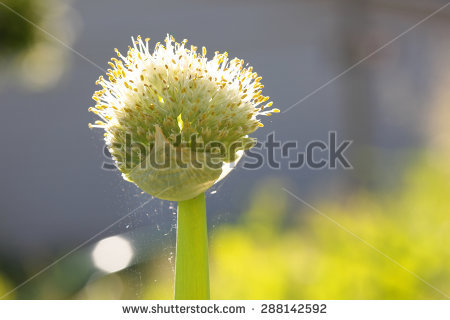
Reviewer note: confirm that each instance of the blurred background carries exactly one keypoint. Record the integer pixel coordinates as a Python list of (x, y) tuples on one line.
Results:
[(72, 230)]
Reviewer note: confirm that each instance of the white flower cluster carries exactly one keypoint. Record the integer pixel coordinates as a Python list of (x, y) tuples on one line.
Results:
[(170, 96)]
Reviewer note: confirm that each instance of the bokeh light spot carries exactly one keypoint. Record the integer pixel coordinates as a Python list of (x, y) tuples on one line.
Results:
[(112, 254)]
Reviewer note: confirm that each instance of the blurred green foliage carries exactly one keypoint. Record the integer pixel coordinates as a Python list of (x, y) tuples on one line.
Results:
[(28, 55), (267, 255), (5, 286), (368, 246), (16, 34)]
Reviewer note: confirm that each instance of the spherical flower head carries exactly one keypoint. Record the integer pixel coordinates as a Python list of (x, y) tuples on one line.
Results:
[(173, 117)]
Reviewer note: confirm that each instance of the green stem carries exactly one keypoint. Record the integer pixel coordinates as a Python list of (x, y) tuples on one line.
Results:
[(191, 269)]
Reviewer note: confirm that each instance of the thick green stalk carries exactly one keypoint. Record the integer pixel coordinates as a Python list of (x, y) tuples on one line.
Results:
[(192, 269)]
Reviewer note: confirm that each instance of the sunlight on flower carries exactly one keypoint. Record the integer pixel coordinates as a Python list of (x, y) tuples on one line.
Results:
[(169, 96)]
